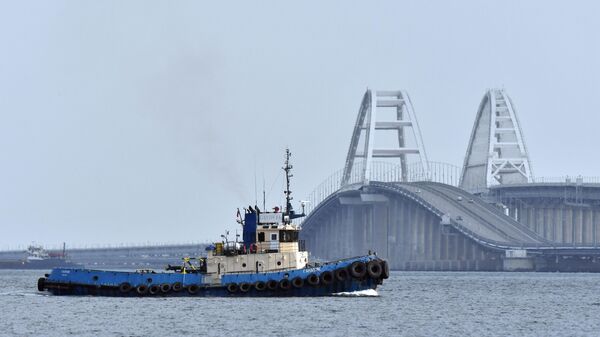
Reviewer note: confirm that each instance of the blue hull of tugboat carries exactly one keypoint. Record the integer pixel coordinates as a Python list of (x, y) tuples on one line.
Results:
[(67, 281)]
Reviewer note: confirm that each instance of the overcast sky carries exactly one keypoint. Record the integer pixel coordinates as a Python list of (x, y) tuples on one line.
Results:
[(130, 122)]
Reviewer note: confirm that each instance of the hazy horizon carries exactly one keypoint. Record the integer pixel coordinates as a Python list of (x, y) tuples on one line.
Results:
[(133, 122)]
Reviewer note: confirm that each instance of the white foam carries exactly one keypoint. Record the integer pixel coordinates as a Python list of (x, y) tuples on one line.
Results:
[(360, 293)]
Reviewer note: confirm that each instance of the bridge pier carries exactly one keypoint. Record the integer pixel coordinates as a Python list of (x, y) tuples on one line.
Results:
[(560, 212), (518, 260), (409, 236), (428, 226)]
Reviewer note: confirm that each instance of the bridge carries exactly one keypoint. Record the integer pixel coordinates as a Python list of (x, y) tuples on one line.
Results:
[(492, 214)]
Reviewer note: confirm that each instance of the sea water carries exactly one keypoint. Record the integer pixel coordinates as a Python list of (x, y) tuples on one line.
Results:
[(407, 304)]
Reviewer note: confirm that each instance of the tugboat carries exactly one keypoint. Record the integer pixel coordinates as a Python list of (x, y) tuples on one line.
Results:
[(269, 261)]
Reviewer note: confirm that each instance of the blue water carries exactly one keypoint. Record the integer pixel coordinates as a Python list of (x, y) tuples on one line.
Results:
[(408, 304)]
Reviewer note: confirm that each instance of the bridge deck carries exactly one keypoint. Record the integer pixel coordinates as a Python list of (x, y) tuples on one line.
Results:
[(470, 215)]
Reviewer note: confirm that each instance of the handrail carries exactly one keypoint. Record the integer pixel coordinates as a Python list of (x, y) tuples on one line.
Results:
[(386, 172)]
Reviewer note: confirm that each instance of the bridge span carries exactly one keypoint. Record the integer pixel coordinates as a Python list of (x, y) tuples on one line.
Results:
[(412, 212), (567, 211), (433, 226)]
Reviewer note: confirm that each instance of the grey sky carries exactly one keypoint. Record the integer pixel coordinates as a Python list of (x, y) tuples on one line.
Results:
[(145, 121)]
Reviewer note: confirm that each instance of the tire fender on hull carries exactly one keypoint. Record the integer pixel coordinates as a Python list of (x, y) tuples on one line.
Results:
[(41, 284), (341, 274), (193, 289), (358, 269), (272, 285), (285, 284), (232, 288), (142, 289), (374, 269), (326, 277), (385, 269), (165, 288), (177, 286), (298, 282), (125, 287), (313, 280), (260, 285), (153, 289), (245, 287)]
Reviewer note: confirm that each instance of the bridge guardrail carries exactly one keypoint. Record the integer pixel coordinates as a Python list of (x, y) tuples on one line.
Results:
[(567, 179), (386, 172)]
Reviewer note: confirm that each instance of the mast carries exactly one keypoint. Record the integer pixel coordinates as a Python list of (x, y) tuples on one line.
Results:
[(288, 198)]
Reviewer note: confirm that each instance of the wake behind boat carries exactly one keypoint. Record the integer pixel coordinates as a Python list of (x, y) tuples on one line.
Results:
[(269, 261)]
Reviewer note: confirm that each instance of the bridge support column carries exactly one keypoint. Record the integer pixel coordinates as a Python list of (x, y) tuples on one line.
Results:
[(556, 217), (408, 232), (568, 224), (348, 230), (596, 219), (517, 260), (588, 234), (575, 226)]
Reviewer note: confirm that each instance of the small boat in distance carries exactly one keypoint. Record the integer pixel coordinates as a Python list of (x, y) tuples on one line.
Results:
[(38, 258), (270, 260)]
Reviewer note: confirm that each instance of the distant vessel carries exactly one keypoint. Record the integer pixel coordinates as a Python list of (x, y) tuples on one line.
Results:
[(268, 261), (38, 258)]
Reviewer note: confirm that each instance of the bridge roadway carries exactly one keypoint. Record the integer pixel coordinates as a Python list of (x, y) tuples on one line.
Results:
[(459, 211), (481, 221), (473, 217)]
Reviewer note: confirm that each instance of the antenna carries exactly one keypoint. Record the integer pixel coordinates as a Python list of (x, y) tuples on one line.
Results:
[(264, 194), (288, 168)]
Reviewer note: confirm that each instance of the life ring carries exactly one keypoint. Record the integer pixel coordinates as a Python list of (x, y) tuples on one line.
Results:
[(385, 269), (326, 277), (232, 287), (341, 274), (193, 289), (374, 269), (125, 287), (142, 289), (272, 285), (285, 284), (41, 284), (245, 287), (298, 282), (177, 286), (260, 285), (153, 289), (358, 269), (165, 288)]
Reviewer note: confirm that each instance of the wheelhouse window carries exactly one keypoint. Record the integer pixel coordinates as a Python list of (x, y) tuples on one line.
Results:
[(274, 237), (288, 236)]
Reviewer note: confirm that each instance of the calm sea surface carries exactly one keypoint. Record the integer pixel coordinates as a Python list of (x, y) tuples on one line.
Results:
[(409, 304)]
